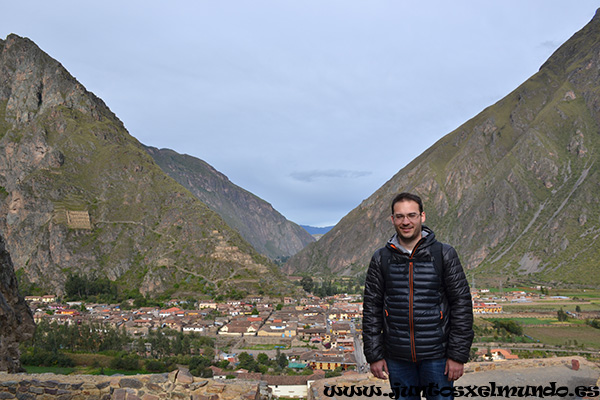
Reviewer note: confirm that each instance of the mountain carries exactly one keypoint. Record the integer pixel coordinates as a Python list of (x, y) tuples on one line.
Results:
[(80, 196), (16, 319), (255, 219), (515, 189), (317, 230)]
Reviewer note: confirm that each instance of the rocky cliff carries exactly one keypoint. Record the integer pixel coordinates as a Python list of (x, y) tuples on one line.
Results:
[(515, 189), (79, 195), (255, 219), (16, 320)]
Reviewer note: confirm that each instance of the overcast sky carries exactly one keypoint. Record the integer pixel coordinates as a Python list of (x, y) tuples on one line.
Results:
[(312, 105)]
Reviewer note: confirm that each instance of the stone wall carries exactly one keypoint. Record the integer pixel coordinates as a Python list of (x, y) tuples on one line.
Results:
[(182, 385), (524, 363), (179, 385)]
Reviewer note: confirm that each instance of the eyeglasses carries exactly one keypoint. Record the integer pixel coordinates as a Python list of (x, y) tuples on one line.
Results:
[(411, 216)]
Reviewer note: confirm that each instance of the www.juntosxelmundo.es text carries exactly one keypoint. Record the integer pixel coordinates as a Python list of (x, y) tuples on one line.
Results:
[(490, 390)]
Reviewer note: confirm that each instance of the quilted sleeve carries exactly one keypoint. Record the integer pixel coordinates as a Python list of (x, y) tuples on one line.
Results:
[(461, 307), (373, 310)]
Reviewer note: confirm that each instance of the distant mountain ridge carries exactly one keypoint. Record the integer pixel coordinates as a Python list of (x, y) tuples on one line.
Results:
[(79, 195), (316, 230), (515, 189), (255, 219)]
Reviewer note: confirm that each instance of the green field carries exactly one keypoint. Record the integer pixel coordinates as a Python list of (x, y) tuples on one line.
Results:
[(549, 305), (565, 335), (581, 293), (43, 370), (534, 321), (540, 321), (87, 371)]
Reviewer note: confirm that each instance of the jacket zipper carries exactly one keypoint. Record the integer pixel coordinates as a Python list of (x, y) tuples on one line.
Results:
[(411, 321)]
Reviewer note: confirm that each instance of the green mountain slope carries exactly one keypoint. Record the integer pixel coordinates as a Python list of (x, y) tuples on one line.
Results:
[(262, 226), (515, 189), (79, 195)]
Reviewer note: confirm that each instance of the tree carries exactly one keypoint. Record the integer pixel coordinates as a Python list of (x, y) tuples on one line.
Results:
[(307, 283), (281, 359), (562, 316), (199, 366), (509, 326), (336, 372), (262, 358), (247, 361)]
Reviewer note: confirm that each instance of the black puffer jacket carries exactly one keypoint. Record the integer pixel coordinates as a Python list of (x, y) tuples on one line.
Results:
[(412, 313)]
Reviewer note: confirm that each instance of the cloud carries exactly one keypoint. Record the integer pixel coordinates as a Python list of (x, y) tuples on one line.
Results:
[(313, 175)]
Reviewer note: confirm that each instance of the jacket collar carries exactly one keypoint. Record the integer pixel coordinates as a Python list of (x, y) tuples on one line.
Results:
[(427, 235)]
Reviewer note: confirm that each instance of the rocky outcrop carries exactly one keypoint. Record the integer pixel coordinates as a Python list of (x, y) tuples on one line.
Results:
[(179, 384), (16, 319)]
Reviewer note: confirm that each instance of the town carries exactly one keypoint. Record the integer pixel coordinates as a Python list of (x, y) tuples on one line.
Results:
[(318, 334)]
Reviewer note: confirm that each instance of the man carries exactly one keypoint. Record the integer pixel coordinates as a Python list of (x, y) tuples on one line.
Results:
[(417, 313)]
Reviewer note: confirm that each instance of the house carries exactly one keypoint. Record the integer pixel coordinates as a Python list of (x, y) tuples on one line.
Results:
[(238, 328), (207, 304), (317, 332), (345, 344), (218, 373), (169, 312), (198, 327), (136, 330), (144, 322), (486, 308), (193, 313), (341, 329), (278, 329), (338, 314), (328, 360), (173, 323), (294, 387), (49, 298), (502, 354), (66, 311), (149, 310)]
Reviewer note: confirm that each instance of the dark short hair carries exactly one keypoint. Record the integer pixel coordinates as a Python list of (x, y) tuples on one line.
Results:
[(404, 196)]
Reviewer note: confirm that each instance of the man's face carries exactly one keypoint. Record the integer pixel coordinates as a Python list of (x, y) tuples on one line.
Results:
[(408, 220)]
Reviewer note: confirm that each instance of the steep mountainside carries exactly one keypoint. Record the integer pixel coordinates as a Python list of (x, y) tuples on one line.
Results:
[(515, 189), (255, 219), (16, 319), (79, 195)]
